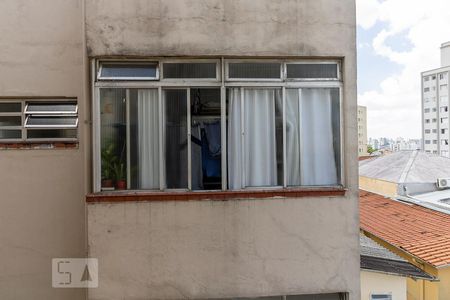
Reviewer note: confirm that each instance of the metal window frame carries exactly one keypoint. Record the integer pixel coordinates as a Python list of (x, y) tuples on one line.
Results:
[(50, 126), (217, 62), (32, 102), (311, 62), (223, 83), (255, 61), (388, 296), (99, 67)]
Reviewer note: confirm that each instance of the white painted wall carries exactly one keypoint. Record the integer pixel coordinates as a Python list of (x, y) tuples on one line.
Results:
[(379, 283)]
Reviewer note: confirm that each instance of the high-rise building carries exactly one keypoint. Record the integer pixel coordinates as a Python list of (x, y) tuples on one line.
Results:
[(435, 102), (362, 130)]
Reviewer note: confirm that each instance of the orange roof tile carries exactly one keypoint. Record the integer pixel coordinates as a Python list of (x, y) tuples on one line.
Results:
[(422, 232)]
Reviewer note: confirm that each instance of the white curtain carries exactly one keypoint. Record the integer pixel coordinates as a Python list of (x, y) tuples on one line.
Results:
[(148, 139), (309, 137), (252, 163)]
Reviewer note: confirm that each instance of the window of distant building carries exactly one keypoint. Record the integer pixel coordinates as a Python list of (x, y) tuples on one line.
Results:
[(427, 110), (434, 120), (433, 77), (427, 131), (435, 142), (427, 89), (434, 130), (427, 78), (225, 124), (427, 142)]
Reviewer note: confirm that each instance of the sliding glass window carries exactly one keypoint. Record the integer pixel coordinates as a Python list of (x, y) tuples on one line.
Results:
[(220, 125)]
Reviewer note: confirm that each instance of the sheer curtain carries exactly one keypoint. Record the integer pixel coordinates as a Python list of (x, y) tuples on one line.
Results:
[(148, 139), (255, 158), (309, 137)]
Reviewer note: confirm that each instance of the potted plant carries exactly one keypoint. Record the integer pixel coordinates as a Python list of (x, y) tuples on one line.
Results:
[(108, 162), (119, 172)]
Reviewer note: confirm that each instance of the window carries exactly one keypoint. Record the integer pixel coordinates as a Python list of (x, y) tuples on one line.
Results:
[(444, 142), (218, 136), (435, 142), (433, 77), (200, 70), (434, 130), (427, 78), (427, 131), (444, 120), (427, 142), (427, 110), (443, 87), (381, 297), (444, 109), (254, 70), (128, 71), (39, 120), (443, 131), (434, 109), (427, 121), (312, 71), (434, 120), (427, 89)]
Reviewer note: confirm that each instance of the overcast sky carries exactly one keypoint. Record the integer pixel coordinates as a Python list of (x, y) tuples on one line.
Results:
[(397, 39)]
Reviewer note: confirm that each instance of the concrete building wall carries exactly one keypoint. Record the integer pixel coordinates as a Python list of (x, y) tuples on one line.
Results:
[(378, 186), (379, 283), (251, 247), (42, 207), (362, 130)]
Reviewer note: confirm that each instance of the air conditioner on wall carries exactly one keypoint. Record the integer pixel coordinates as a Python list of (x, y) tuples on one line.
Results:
[(443, 183)]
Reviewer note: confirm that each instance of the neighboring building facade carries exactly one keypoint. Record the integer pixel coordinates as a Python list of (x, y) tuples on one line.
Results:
[(145, 133), (384, 274), (418, 234), (435, 106), (362, 130)]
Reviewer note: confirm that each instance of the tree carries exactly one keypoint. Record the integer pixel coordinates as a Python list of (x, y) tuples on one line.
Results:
[(370, 150)]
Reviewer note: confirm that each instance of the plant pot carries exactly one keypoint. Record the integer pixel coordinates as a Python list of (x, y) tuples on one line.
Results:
[(121, 184), (107, 183)]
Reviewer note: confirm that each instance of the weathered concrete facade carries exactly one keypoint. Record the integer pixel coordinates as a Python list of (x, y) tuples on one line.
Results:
[(168, 250), (236, 248)]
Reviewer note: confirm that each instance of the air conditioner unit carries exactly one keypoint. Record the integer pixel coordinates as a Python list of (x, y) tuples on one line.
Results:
[(443, 183)]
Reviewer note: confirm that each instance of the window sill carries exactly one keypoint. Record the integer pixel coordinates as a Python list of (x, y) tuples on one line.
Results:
[(38, 145), (137, 196)]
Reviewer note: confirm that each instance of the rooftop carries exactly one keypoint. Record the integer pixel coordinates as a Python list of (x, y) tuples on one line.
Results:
[(422, 232), (376, 258), (406, 167)]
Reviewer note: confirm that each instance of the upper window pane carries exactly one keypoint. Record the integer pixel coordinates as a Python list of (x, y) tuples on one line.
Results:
[(51, 108), (60, 122), (128, 71), (312, 71), (10, 107), (254, 70), (190, 70)]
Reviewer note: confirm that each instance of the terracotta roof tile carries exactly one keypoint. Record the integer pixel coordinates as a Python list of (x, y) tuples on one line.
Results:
[(422, 232)]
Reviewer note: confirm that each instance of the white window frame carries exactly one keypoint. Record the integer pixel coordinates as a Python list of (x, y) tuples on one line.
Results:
[(304, 62), (175, 80), (126, 62), (26, 114), (223, 83)]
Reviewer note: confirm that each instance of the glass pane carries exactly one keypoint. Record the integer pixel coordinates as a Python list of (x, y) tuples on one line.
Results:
[(144, 139), (255, 143), (10, 107), (312, 137), (312, 71), (190, 70), (206, 146), (66, 107), (51, 133), (10, 121), (10, 134), (254, 70), (176, 139), (316, 297), (51, 121), (113, 138), (115, 70)]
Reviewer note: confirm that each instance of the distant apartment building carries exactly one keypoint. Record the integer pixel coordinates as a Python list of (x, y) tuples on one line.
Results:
[(197, 149), (362, 130), (435, 106)]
